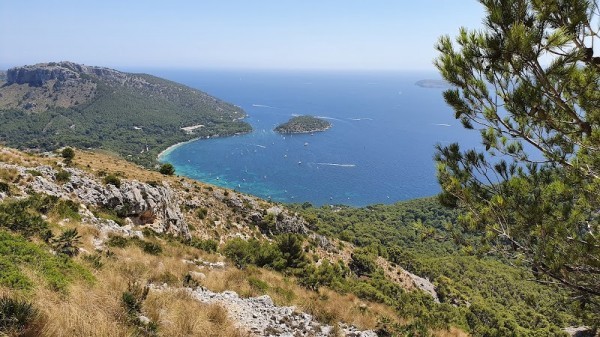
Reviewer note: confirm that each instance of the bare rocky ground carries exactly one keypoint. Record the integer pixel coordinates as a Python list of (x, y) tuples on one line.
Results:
[(260, 317)]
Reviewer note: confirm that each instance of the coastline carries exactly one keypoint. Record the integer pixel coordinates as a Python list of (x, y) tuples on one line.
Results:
[(173, 147)]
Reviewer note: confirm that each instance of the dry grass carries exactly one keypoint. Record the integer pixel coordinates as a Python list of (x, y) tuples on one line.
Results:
[(96, 309), (102, 161), (327, 306), (86, 310), (8, 175), (180, 315)]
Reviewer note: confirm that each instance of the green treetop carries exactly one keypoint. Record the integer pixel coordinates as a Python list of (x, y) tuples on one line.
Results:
[(529, 81)]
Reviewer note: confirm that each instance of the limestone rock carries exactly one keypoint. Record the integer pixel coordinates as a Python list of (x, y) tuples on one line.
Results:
[(156, 207), (262, 317)]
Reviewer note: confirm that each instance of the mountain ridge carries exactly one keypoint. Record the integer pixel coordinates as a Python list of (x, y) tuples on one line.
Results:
[(49, 105)]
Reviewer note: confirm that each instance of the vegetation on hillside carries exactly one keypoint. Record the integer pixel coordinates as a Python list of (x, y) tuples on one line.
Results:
[(135, 122), (482, 294), (303, 124), (478, 294), (530, 82)]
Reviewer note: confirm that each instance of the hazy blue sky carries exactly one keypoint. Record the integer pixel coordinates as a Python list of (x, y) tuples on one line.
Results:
[(278, 34)]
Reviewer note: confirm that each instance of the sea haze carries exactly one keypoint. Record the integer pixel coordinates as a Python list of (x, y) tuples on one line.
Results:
[(379, 149)]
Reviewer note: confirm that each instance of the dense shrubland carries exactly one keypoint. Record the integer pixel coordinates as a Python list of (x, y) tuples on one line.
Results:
[(485, 295)]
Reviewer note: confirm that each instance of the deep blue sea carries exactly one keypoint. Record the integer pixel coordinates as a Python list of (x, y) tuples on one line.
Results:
[(379, 150)]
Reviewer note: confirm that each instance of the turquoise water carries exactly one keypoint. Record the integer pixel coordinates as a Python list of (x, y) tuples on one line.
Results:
[(379, 150)]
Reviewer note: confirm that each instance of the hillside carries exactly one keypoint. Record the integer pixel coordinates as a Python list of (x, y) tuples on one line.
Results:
[(136, 252), (46, 106), (303, 124)]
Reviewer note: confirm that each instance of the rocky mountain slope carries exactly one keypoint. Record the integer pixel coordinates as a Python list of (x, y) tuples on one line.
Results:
[(49, 105), (164, 255), (115, 207)]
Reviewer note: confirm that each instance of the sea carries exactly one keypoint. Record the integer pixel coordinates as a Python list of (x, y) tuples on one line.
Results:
[(379, 149)]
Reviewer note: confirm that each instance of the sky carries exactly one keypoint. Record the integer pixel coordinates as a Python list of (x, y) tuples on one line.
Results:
[(232, 34)]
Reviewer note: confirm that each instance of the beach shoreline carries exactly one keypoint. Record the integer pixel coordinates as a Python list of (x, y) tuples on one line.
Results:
[(173, 147)]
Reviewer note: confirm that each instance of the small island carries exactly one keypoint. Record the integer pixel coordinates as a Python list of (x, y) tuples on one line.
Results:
[(303, 124)]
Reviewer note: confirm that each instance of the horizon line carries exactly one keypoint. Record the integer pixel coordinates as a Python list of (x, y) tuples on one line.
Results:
[(127, 67)]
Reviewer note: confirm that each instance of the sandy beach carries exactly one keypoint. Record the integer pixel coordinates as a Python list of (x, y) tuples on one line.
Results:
[(173, 147)]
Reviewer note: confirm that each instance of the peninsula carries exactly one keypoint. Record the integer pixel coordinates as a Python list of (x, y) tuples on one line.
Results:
[(49, 105), (303, 124)]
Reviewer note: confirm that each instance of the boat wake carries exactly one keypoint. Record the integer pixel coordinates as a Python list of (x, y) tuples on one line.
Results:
[(264, 147), (336, 164), (361, 119), (325, 117), (263, 106), (442, 124)]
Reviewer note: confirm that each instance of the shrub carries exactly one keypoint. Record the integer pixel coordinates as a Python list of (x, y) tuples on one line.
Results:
[(208, 245), (68, 154), (290, 245), (20, 216), (109, 214), (167, 169), (111, 179), (362, 263), (326, 274), (34, 173), (67, 243), (286, 253), (134, 297), (16, 316), (4, 187), (62, 176), (201, 213), (95, 260), (11, 276), (258, 284), (241, 252), (117, 241), (67, 209), (267, 223), (150, 247)]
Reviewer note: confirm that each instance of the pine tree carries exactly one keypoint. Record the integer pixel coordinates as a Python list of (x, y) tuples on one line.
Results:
[(529, 81)]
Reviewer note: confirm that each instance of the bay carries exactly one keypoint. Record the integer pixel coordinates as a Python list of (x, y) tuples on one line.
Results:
[(379, 149)]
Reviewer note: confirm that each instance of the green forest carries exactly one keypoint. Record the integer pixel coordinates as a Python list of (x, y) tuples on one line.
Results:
[(484, 294), (132, 122)]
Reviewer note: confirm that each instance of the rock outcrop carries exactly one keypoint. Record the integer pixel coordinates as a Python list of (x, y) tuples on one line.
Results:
[(38, 75), (156, 207)]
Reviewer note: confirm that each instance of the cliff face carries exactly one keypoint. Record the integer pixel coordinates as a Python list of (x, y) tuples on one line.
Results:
[(45, 86), (40, 74)]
